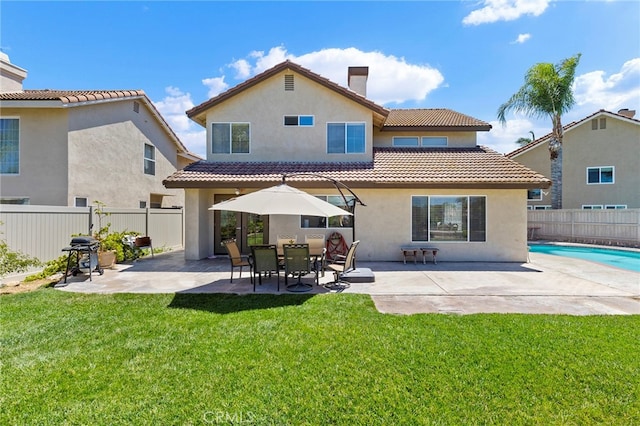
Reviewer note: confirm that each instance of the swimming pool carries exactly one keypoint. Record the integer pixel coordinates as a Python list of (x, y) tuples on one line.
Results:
[(623, 259)]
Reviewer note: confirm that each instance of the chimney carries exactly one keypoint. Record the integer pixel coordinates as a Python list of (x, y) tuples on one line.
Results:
[(357, 80), (11, 76), (629, 113)]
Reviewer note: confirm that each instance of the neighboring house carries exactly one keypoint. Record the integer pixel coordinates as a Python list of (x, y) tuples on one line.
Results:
[(419, 172), (600, 158), (72, 148)]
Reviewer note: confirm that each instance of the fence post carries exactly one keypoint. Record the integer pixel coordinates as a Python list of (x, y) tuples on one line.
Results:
[(146, 221), (90, 220)]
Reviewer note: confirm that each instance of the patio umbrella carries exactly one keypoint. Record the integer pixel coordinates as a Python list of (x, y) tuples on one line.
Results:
[(280, 199)]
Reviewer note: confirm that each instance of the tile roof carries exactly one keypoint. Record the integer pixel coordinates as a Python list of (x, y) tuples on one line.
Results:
[(565, 128), (428, 167), (69, 96), (432, 118)]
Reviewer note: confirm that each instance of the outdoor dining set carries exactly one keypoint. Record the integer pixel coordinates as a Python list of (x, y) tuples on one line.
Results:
[(295, 260)]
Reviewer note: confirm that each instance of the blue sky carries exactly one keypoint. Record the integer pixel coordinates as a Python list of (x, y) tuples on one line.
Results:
[(469, 56)]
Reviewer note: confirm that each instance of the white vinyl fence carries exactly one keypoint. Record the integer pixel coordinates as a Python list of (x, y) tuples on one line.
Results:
[(42, 231), (609, 227)]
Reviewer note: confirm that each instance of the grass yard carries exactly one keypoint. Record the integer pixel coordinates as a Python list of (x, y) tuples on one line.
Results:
[(301, 359)]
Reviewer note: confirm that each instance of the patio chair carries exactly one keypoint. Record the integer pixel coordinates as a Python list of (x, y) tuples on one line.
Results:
[(264, 259), (341, 265), (317, 248), (237, 260), (285, 239), (297, 262)]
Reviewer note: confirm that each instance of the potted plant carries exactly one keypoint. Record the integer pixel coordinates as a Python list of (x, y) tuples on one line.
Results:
[(106, 252)]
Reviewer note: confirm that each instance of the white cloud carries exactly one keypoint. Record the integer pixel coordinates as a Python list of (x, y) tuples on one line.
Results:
[(216, 85), (503, 138), (594, 90), (521, 38), (391, 79), (505, 10), (173, 107)]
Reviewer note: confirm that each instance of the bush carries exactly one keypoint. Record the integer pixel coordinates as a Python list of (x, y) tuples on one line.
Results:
[(14, 261), (50, 268)]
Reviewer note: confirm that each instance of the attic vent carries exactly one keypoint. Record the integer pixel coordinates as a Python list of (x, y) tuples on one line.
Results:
[(288, 82), (136, 106)]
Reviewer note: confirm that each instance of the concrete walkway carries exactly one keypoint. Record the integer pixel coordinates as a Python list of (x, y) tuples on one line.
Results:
[(547, 285)]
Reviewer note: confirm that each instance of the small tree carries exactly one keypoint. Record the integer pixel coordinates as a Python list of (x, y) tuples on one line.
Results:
[(14, 261)]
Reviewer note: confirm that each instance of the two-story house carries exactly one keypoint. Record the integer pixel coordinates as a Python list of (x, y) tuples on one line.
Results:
[(419, 171), (73, 147), (600, 157)]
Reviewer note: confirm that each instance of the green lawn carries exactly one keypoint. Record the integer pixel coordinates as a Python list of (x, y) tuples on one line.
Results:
[(301, 359)]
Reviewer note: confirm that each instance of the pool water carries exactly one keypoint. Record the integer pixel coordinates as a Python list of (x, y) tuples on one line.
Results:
[(623, 259)]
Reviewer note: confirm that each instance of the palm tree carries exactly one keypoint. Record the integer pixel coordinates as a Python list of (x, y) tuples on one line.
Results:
[(547, 92), (523, 141)]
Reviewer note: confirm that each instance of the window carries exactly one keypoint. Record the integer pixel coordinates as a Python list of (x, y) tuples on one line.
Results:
[(547, 207), (9, 146), (592, 207), (434, 141), (15, 200), (136, 107), (602, 121), (335, 221), (447, 218), (81, 202), (615, 206), (149, 159), (345, 138), (298, 120), (597, 175), (430, 141), (405, 141), (534, 194), (143, 204), (231, 138)]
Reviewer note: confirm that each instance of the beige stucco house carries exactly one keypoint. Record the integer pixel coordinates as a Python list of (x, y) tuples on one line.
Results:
[(600, 158), (419, 171), (73, 148)]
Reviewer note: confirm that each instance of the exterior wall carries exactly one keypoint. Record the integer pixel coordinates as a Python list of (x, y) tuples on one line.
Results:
[(106, 156), (538, 159), (271, 140), (43, 176), (198, 224), (384, 225), (617, 145), (454, 139)]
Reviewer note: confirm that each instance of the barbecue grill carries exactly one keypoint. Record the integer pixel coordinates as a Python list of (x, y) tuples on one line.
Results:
[(86, 256)]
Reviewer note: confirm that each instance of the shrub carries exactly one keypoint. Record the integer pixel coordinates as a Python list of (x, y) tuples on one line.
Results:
[(50, 268), (14, 261)]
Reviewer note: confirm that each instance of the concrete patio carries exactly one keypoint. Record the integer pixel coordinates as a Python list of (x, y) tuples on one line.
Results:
[(546, 285)]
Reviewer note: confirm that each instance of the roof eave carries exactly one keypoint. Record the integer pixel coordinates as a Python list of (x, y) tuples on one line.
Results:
[(436, 128)]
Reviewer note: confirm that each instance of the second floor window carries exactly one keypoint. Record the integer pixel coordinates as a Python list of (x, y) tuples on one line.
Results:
[(345, 138), (597, 175), (149, 159), (9, 146), (230, 138)]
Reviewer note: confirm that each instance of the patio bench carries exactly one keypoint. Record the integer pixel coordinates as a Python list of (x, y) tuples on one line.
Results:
[(412, 251)]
